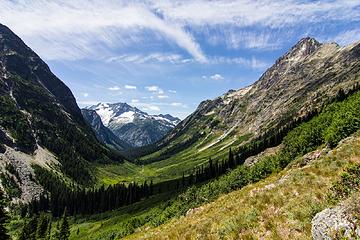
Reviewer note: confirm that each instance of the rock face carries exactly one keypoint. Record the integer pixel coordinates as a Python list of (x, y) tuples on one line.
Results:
[(335, 223), (300, 81), (133, 126), (102, 133)]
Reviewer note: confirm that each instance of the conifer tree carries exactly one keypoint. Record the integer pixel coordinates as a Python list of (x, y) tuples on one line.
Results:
[(64, 227), (42, 226), (231, 159), (3, 218)]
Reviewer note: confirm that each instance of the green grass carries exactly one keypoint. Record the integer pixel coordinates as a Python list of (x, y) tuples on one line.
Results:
[(278, 207), (167, 169)]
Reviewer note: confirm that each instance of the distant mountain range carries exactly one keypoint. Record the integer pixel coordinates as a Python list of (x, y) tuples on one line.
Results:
[(131, 125)]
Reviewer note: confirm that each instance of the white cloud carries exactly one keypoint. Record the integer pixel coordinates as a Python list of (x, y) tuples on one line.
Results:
[(178, 104), (152, 108), (85, 95), (146, 106), (172, 91), (163, 96), (217, 77), (154, 89), (246, 13), (135, 100), (347, 37), (130, 87), (88, 103), (72, 29), (114, 88), (150, 58), (252, 63)]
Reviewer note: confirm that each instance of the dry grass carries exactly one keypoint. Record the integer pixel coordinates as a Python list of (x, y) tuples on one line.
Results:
[(279, 207)]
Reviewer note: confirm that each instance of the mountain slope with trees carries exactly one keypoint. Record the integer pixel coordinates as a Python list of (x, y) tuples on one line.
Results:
[(38, 111)]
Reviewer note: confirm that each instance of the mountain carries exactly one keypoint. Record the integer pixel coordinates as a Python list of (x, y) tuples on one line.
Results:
[(40, 122), (133, 126), (301, 81), (102, 133)]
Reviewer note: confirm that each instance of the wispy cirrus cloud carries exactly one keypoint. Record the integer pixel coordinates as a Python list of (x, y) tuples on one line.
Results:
[(252, 62), (150, 58), (347, 37), (269, 13), (71, 30), (74, 28)]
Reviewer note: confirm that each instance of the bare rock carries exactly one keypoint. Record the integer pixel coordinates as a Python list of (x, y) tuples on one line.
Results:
[(335, 223)]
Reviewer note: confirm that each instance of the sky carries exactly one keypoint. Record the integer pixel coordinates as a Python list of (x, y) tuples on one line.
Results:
[(167, 56)]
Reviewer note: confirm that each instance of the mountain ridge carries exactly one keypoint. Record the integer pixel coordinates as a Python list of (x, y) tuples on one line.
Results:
[(133, 126), (301, 80)]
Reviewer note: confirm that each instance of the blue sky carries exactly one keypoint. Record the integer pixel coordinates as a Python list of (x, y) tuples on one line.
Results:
[(167, 56)]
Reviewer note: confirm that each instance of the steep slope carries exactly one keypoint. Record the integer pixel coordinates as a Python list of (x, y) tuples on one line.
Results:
[(280, 207), (299, 82), (38, 111), (102, 133), (133, 126)]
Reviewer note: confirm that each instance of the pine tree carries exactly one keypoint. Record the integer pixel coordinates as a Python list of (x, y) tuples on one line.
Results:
[(64, 227), (3, 218), (42, 226), (231, 159), (28, 231)]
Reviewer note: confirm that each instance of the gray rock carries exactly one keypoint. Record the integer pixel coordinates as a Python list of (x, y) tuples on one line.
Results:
[(334, 223)]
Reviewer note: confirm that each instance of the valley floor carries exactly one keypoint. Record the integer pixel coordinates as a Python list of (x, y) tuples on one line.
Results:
[(280, 207)]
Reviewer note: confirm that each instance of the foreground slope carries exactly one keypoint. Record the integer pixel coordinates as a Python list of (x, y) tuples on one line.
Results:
[(279, 207), (301, 81), (40, 122)]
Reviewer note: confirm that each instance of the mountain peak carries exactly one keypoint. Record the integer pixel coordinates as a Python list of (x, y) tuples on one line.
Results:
[(303, 48), (132, 125)]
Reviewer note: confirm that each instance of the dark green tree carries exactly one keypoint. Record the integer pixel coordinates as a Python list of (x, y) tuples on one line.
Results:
[(42, 226), (64, 227), (28, 231), (3, 218)]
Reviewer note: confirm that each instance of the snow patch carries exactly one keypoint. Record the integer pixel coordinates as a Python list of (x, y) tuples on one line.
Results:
[(126, 117), (105, 113)]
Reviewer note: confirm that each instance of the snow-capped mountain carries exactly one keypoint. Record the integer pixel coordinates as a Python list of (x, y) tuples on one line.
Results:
[(132, 125)]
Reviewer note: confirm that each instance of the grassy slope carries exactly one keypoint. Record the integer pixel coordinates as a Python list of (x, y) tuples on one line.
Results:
[(279, 207), (167, 169)]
